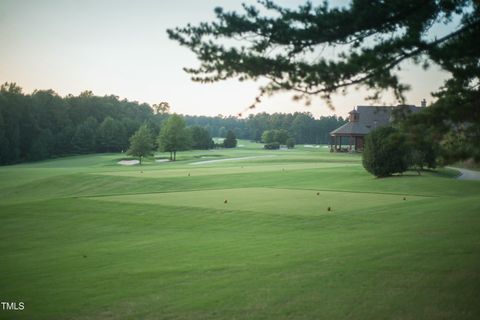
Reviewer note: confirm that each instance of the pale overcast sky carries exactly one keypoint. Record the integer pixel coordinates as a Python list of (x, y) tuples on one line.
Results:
[(121, 48)]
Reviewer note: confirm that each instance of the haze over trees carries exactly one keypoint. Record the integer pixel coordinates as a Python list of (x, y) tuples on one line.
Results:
[(371, 40)]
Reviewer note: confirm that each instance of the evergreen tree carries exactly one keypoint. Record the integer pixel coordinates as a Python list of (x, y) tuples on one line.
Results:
[(373, 39), (230, 140), (385, 152)]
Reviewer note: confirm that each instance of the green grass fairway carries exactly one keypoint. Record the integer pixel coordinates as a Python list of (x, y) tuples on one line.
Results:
[(269, 200), (85, 238), (211, 169)]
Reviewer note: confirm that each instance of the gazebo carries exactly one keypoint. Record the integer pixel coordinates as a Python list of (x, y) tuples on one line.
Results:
[(349, 137), (362, 120)]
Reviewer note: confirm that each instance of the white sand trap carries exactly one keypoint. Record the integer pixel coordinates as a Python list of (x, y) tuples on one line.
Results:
[(162, 160), (310, 146), (241, 145), (128, 162), (230, 159)]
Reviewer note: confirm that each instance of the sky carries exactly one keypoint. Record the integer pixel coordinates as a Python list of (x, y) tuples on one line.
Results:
[(121, 47)]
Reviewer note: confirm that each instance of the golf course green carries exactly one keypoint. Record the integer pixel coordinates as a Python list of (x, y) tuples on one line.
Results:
[(244, 233)]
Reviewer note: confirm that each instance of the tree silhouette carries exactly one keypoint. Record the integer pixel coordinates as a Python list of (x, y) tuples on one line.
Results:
[(320, 51)]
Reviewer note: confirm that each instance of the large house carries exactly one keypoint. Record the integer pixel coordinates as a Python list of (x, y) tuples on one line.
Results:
[(362, 120)]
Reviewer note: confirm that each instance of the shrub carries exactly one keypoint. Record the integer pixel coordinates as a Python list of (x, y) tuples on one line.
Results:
[(272, 146), (290, 143), (385, 152)]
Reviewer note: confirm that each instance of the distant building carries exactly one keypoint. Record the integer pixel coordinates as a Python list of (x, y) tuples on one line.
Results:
[(362, 120)]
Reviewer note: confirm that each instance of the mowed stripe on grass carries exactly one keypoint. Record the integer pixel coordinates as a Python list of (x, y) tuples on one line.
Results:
[(86, 238), (238, 168)]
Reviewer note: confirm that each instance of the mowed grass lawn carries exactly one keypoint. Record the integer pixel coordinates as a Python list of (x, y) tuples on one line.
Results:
[(85, 238)]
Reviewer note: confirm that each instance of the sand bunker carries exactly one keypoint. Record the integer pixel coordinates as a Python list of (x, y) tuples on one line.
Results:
[(311, 146), (162, 160), (128, 162)]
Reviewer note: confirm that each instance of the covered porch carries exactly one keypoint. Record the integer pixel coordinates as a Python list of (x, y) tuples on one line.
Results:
[(346, 142)]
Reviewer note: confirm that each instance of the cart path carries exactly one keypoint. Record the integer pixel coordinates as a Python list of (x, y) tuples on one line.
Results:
[(466, 174)]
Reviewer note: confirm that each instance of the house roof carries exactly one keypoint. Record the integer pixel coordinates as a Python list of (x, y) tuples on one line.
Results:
[(351, 128), (370, 117)]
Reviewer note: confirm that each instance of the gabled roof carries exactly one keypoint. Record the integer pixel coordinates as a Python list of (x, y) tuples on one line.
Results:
[(370, 117), (351, 128)]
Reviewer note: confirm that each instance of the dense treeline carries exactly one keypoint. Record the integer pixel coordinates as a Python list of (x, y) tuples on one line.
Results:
[(302, 126), (43, 124)]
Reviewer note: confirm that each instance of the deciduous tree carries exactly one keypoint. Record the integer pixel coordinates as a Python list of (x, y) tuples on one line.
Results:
[(201, 138), (162, 107), (84, 140), (141, 143), (174, 136), (268, 136), (111, 136)]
